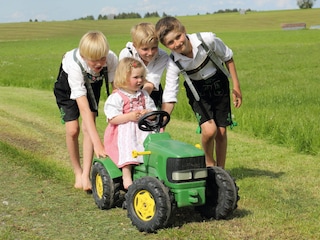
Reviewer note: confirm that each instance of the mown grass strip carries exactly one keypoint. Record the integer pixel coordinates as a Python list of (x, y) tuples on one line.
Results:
[(35, 163)]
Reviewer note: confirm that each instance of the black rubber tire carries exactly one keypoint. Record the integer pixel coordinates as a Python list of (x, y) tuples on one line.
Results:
[(148, 204), (221, 194), (105, 190)]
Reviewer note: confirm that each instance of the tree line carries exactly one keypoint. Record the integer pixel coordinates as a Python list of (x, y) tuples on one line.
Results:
[(302, 4), (123, 16)]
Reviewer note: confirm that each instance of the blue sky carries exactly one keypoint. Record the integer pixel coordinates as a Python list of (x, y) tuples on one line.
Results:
[(59, 10)]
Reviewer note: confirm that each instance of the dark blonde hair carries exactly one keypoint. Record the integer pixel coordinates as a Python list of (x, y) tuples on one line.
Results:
[(166, 25), (143, 34), (93, 45), (124, 70)]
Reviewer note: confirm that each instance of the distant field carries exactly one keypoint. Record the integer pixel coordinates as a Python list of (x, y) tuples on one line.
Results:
[(277, 69), (227, 22)]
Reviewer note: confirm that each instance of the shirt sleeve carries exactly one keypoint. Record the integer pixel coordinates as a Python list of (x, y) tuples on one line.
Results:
[(171, 88), (156, 68), (75, 76), (125, 52), (150, 105), (112, 64), (218, 46), (113, 106)]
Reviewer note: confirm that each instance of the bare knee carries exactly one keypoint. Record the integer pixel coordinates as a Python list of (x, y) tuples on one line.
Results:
[(208, 130), (72, 130), (221, 135)]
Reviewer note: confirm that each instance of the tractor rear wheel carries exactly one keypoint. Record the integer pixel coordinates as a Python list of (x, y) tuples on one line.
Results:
[(105, 190), (221, 194)]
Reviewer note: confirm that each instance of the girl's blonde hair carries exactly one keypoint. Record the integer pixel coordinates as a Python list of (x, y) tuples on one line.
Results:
[(166, 25), (144, 34), (124, 70), (93, 45)]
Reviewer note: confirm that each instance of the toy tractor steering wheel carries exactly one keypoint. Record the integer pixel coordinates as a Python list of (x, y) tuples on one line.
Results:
[(153, 121)]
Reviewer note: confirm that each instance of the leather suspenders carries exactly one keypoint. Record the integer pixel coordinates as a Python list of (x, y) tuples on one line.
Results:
[(88, 84), (212, 57)]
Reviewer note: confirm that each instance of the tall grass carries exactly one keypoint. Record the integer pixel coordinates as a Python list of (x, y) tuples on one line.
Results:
[(278, 69)]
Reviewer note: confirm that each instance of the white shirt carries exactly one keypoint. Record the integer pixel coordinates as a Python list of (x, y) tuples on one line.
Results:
[(114, 103), (75, 76), (154, 68), (199, 55)]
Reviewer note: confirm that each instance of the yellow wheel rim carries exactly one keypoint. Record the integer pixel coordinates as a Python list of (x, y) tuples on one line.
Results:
[(99, 186), (144, 205)]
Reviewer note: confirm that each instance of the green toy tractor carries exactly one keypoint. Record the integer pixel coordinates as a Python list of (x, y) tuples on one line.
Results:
[(173, 175)]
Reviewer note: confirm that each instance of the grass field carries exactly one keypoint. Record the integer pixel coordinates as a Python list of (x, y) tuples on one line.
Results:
[(279, 189), (277, 69), (273, 153)]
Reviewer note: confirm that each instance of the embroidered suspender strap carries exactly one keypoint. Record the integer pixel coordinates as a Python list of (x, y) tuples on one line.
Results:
[(213, 56), (87, 82), (187, 79), (106, 78), (200, 67)]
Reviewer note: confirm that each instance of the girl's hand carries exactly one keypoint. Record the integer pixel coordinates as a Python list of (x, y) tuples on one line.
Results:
[(143, 112), (134, 115)]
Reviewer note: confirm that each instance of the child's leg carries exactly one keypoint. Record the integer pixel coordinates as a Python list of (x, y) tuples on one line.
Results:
[(72, 134), (208, 132), (221, 146), (87, 159), (126, 176)]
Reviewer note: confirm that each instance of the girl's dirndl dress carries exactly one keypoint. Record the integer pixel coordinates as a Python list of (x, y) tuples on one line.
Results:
[(120, 140)]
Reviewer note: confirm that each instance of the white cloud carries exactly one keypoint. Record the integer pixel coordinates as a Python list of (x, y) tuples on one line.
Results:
[(17, 15), (286, 4), (109, 10)]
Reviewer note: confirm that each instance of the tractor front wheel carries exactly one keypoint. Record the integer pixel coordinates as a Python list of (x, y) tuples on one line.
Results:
[(148, 204)]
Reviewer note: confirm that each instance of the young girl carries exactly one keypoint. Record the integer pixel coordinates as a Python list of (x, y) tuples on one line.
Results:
[(77, 92), (145, 47), (213, 106), (123, 108)]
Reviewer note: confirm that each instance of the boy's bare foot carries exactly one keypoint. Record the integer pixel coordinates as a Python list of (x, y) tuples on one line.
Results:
[(78, 181), (86, 184)]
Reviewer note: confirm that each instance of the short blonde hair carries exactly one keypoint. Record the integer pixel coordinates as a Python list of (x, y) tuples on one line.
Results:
[(166, 25), (144, 34), (93, 45), (124, 70)]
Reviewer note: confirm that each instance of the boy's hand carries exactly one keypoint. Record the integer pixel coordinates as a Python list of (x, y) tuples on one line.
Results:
[(237, 98), (100, 151)]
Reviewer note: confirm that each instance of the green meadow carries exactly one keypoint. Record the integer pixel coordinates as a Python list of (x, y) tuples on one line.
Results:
[(273, 152), (277, 69)]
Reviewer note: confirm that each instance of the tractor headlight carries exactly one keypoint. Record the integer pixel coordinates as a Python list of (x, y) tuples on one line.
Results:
[(182, 175), (189, 174), (200, 173)]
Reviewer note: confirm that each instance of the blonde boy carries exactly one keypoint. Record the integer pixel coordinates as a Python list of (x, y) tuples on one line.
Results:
[(144, 47), (77, 92)]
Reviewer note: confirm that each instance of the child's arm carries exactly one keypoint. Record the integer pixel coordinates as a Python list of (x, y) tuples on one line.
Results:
[(148, 86), (168, 107), (126, 117), (88, 121), (236, 91)]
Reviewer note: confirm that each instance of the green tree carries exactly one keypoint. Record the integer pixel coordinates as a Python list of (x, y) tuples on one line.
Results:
[(304, 4), (153, 14)]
